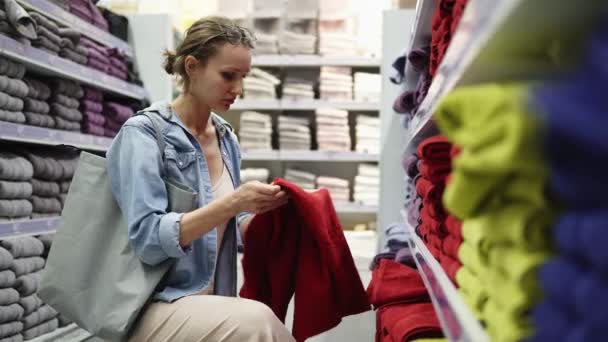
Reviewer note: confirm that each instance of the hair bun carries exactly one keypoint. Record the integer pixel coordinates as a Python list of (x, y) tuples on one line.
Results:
[(169, 64)]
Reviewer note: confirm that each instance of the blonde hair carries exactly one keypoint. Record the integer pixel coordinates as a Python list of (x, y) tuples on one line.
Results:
[(203, 40)]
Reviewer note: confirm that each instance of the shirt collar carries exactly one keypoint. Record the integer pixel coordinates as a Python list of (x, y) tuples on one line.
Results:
[(165, 110)]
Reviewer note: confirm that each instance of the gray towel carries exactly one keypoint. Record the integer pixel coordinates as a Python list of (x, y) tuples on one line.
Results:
[(27, 284), (41, 329), (64, 187), (67, 43), (22, 247), (30, 303), (9, 313), (6, 259), (69, 168), (13, 86), (47, 241), (14, 338), (10, 329), (42, 120), (20, 19), (73, 55), (25, 266), (15, 208), (81, 50), (45, 168), (66, 113), (66, 101), (43, 314), (66, 125), (72, 34), (69, 88), (37, 89), (7, 279), (14, 167), (10, 103), (15, 190), (11, 69), (62, 198), (45, 32), (46, 44), (44, 188), (45, 205), (36, 106), (42, 21), (10, 116), (8, 296)]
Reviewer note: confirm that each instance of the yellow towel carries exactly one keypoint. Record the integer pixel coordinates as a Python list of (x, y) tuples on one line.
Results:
[(474, 295), (504, 327)]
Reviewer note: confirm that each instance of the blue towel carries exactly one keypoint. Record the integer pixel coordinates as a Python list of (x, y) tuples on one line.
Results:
[(582, 234), (551, 322)]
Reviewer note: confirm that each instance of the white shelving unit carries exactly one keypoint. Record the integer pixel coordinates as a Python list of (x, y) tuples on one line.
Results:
[(457, 320), (45, 136), (311, 156), (313, 61), (70, 333), (275, 104), (28, 227)]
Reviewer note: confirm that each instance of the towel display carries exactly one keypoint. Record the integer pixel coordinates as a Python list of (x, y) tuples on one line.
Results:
[(116, 115), (294, 133), (255, 174), (299, 85), (291, 42), (333, 132), (336, 83), (367, 134), (367, 185), (338, 188), (91, 105), (255, 131), (21, 247), (367, 87), (260, 84), (303, 179)]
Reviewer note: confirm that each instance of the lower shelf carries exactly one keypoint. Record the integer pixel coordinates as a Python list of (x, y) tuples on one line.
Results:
[(457, 320), (28, 227), (70, 333)]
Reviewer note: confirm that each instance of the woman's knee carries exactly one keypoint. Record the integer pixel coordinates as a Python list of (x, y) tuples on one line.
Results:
[(255, 318)]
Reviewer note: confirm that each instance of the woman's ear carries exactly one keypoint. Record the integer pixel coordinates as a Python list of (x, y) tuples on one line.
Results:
[(190, 65)]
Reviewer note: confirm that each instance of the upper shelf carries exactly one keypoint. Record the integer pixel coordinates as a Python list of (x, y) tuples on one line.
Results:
[(420, 36), (457, 320), (312, 156), (313, 61), (28, 227), (46, 136), (509, 40), (68, 19), (275, 104), (46, 63)]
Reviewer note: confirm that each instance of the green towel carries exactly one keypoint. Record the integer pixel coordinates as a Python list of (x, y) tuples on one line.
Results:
[(469, 255), (499, 138), (474, 295), (502, 326)]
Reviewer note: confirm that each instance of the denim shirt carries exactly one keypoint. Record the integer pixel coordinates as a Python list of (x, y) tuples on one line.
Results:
[(135, 170)]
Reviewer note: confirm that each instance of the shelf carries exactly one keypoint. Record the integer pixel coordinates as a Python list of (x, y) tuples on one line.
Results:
[(274, 104), (312, 156), (506, 41), (49, 64), (45, 136), (66, 18), (70, 333), (313, 61), (420, 35), (457, 320), (355, 209), (28, 227)]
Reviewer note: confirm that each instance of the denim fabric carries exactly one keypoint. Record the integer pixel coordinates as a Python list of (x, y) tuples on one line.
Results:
[(135, 170)]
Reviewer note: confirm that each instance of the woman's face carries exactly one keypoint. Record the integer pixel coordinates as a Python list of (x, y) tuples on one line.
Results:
[(220, 82)]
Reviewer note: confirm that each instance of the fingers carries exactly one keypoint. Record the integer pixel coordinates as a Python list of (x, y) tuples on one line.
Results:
[(265, 189), (269, 206)]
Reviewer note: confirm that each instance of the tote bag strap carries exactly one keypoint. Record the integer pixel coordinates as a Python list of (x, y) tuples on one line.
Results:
[(157, 121)]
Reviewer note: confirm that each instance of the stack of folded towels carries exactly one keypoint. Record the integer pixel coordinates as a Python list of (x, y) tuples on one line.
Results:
[(367, 86), (12, 91), (255, 174), (367, 132), (71, 48), (91, 106), (45, 184), (333, 133), (16, 23), (98, 55), (260, 84), (16, 174), (255, 131), (28, 263), (299, 85), (291, 42), (87, 11), (11, 310), (338, 188), (65, 105), (294, 133), (68, 164), (116, 115), (367, 185), (118, 64), (336, 83), (303, 179), (48, 34), (266, 43), (34, 301), (36, 108), (334, 38)]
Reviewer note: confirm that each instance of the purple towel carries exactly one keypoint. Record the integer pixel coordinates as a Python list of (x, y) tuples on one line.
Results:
[(91, 106), (123, 75), (88, 127), (95, 54), (420, 58), (93, 94), (94, 118), (405, 103), (112, 124), (119, 63), (95, 63), (86, 42), (120, 113), (405, 256)]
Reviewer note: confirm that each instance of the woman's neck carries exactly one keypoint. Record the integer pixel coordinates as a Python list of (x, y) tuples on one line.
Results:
[(192, 112)]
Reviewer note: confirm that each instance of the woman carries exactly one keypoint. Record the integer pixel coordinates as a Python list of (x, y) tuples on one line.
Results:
[(203, 154)]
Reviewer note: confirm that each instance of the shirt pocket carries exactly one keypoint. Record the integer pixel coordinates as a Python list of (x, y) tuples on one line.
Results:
[(181, 168)]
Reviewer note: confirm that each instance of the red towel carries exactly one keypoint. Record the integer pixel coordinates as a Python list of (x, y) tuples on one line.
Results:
[(407, 322), (455, 151), (393, 283), (435, 173), (457, 13), (454, 226), (450, 246), (434, 149), (423, 186), (301, 248), (450, 266), (435, 226)]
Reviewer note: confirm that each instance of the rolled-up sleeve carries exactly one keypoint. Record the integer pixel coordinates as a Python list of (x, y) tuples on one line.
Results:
[(134, 166)]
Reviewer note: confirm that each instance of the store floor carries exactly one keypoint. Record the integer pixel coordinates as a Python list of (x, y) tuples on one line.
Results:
[(358, 328)]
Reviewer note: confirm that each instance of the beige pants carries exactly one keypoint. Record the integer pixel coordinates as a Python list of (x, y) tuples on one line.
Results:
[(210, 319)]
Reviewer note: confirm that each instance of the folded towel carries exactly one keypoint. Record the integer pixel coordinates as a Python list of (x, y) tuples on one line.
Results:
[(7, 278), (37, 89), (45, 205), (66, 113), (94, 118), (73, 55), (43, 314), (22, 247), (118, 111), (20, 19), (8, 296), (91, 106), (10, 329), (394, 283), (41, 120), (36, 106), (10, 103), (69, 88), (66, 101), (15, 208), (44, 188), (30, 303), (13, 86), (15, 190), (66, 125), (44, 168), (408, 321), (41, 329), (14, 338), (23, 266), (579, 234), (91, 128), (6, 259), (10, 313), (93, 94), (11, 69), (45, 43)]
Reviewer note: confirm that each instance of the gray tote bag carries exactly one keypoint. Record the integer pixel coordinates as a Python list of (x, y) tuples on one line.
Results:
[(92, 275)]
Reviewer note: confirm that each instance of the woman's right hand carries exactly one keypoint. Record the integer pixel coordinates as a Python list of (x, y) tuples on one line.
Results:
[(257, 198)]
